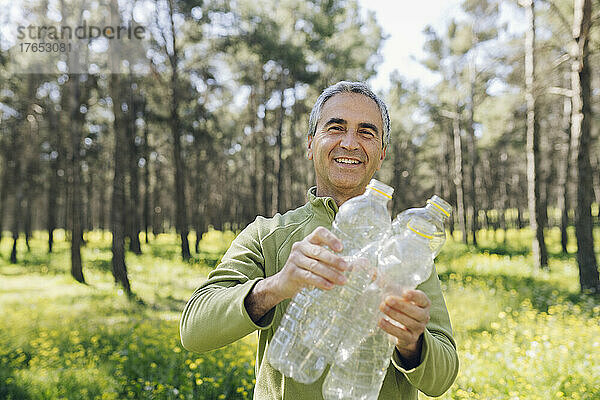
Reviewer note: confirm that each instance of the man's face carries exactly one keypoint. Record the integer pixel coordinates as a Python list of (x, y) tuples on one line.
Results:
[(347, 147)]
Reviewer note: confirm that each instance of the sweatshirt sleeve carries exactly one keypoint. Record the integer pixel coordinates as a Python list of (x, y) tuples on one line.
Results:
[(215, 315), (439, 360)]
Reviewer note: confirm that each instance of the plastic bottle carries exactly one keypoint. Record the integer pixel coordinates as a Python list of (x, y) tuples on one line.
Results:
[(296, 349), (405, 261)]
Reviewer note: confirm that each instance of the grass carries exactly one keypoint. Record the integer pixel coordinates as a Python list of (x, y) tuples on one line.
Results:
[(522, 333), (63, 340)]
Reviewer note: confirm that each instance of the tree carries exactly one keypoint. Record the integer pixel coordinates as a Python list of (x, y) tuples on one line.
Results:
[(480, 29), (118, 203), (133, 201), (443, 56), (540, 255), (580, 144)]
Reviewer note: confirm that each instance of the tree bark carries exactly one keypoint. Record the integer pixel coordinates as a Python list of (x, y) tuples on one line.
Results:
[(134, 191), (535, 204), (503, 194), (119, 268), (279, 186), (580, 143), (27, 219), (147, 189), (180, 203), (473, 158), (564, 173), (157, 212), (5, 181), (53, 182), (446, 167), (76, 127), (17, 188), (458, 175)]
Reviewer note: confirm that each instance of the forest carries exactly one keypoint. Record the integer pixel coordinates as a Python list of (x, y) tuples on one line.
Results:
[(124, 159)]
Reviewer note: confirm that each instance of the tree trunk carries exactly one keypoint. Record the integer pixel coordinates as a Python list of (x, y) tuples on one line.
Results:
[(564, 173), (103, 205), (89, 220), (503, 194), (17, 187), (279, 186), (157, 212), (147, 190), (446, 165), (119, 268), (27, 219), (180, 203), (5, 179), (134, 191), (53, 189), (595, 162), (76, 120), (200, 192), (3, 192), (580, 143), (255, 165), (458, 175), (472, 148), (540, 256), (118, 204)]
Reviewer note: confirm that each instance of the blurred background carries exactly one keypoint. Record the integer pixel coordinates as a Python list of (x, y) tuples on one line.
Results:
[(136, 161)]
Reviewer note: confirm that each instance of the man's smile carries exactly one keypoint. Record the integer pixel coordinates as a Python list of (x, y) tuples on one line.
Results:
[(347, 161)]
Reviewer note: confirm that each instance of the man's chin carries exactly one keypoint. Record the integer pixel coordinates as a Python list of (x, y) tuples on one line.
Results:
[(350, 184)]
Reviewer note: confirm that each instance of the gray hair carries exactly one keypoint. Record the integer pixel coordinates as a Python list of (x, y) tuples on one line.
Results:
[(349, 87)]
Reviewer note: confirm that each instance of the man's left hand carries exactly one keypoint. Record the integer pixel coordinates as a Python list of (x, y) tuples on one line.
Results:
[(410, 311)]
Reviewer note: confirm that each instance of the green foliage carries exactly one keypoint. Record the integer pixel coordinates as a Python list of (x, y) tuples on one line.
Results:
[(521, 332)]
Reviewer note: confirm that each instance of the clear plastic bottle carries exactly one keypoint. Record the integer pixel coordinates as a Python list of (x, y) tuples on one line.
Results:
[(405, 261), (297, 350)]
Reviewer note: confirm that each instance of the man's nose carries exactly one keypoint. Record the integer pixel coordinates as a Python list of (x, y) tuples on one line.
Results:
[(350, 140)]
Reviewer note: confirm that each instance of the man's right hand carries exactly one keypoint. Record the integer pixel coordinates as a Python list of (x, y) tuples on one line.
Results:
[(309, 264)]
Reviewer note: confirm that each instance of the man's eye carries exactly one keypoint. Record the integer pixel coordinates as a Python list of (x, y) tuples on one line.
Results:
[(335, 128), (367, 133)]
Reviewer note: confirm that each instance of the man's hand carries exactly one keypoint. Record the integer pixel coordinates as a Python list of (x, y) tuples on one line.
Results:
[(411, 312), (309, 264)]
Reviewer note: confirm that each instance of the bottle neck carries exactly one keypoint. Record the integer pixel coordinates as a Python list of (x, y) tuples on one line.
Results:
[(437, 211), (377, 195)]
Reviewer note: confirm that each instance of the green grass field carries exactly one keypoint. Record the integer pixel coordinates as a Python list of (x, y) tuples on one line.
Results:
[(522, 333)]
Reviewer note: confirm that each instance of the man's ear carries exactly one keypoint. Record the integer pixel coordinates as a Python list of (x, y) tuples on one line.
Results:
[(309, 152), (382, 157)]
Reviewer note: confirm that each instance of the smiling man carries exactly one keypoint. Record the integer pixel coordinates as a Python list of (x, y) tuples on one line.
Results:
[(274, 258)]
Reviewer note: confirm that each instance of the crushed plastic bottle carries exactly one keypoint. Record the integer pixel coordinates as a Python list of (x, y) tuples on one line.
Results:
[(306, 339), (405, 261)]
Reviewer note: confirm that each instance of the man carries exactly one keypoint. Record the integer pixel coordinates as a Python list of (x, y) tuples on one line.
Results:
[(273, 259)]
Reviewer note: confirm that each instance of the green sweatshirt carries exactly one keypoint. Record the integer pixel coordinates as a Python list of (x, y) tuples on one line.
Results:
[(216, 316)]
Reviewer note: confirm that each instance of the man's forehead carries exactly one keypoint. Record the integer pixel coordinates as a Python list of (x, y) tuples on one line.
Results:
[(363, 106)]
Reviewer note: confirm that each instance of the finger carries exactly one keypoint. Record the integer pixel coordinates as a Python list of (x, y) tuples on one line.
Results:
[(417, 297), (398, 305), (323, 255), (320, 269), (311, 279), (409, 322), (323, 236), (402, 335)]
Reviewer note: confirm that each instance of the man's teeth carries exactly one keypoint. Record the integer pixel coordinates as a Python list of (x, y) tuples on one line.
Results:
[(347, 161)]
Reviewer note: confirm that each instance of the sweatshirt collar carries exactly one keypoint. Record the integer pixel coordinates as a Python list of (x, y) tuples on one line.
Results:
[(326, 204)]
